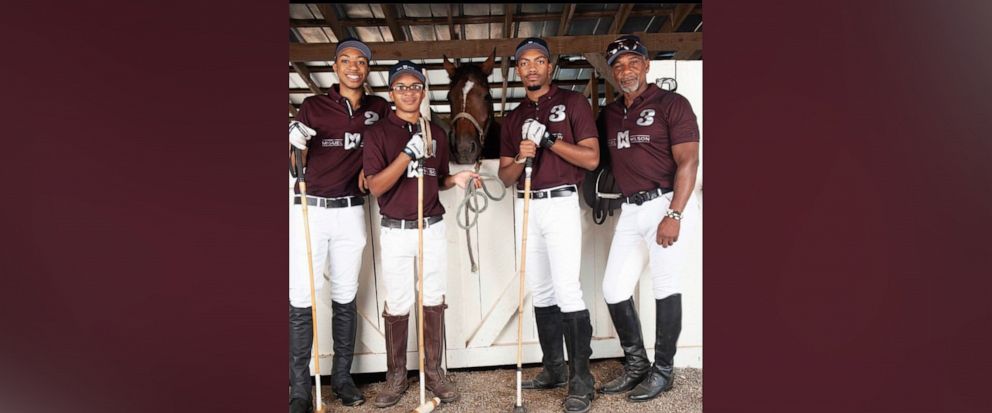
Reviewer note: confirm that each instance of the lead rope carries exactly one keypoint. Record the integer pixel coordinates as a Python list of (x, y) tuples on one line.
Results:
[(474, 203)]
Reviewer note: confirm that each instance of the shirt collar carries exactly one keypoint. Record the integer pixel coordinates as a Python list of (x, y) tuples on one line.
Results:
[(334, 92)]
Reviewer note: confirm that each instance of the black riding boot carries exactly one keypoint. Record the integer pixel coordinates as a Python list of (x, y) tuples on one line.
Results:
[(578, 339), (549, 334), (344, 326), (300, 344), (667, 328), (636, 364)]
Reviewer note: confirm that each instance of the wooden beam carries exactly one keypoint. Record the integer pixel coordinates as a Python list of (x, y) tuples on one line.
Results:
[(508, 11), (439, 86), (306, 52), (440, 20), (389, 10), (292, 110), (305, 74), (598, 62), (451, 24), (623, 12), (565, 64), (676, 17), (331, 19), (566, 20), (609, 92)]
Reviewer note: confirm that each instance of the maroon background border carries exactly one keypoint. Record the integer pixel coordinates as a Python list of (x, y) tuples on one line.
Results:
[(847, 201)]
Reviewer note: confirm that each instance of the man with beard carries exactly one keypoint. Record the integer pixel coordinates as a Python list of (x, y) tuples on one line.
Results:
[(555, 127), (653, 142), (394, 158), (329, 128)]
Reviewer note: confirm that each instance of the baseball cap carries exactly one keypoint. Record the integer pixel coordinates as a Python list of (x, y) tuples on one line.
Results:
[(354, 44), (405, 66), (627, 43), (532, 43)]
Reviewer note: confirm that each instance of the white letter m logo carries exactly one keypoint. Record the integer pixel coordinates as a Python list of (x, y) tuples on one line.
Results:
[(352, 140), (623, 139)]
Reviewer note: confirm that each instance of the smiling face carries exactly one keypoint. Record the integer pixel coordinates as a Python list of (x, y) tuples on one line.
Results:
[(630, 70), (352, 68), (534, 68), (408, 100)]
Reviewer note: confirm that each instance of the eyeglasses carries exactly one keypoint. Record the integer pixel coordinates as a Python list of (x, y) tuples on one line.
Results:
[(625, 44), (416, 87)]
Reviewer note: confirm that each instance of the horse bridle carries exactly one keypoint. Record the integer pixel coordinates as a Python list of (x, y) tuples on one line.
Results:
[(475, 122)]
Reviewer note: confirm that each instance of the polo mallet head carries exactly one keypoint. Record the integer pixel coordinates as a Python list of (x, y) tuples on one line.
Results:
[(428, 406)]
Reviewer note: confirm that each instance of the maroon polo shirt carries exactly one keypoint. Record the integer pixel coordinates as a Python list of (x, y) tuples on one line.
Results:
[(334, 155), (567, 115), (640, 138), (383, 143)]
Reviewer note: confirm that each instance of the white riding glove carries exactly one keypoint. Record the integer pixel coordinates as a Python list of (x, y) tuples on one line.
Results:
[(415, 147), (533, 131), (299, 134)]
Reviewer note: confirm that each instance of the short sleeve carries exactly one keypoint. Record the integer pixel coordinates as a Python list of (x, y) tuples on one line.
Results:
[(583, 122), (507, 140), (682, 125), (442, 150), (373, 155)]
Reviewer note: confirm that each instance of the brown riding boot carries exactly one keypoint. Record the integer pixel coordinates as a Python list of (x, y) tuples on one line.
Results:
[(396, 332), (433, 346)]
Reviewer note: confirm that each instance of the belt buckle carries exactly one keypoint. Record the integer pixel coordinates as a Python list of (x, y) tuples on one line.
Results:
[(638, 198)]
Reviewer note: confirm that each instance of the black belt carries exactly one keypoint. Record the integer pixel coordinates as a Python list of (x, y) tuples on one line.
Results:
[(409, 224), (645, 196), (551, 193), (343, 202)]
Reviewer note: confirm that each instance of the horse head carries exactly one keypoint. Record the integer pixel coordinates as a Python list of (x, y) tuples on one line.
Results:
[(471, 108)]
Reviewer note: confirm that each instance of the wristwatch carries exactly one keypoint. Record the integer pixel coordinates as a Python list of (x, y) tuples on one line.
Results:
[(673, 214)]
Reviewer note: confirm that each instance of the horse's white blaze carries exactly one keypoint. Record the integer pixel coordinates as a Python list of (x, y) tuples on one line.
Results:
[(465, 89)]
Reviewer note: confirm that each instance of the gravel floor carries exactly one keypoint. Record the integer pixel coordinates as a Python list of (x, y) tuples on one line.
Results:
[(494, 391)]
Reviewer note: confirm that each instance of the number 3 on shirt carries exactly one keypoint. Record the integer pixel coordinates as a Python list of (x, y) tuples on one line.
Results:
[(557, 113), (647, 117)]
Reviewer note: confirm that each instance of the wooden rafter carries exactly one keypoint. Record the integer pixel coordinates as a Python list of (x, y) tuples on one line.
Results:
[(623, 12), (305, 52), (292, 110), (565, 64), (451, 23), (676, 17), (508, 11), (598, 62), (440, 20), (592, 91), (331, 20), (381, 89), (567, 13), (389, 10), (305, 74)]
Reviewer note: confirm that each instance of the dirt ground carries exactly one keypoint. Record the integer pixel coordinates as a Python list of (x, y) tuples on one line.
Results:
[(493, 390)]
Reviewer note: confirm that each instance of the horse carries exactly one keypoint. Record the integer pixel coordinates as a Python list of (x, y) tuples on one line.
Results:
[(474, 133)]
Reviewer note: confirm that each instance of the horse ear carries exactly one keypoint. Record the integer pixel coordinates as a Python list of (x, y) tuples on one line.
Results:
[(448, 66), (487, 66)]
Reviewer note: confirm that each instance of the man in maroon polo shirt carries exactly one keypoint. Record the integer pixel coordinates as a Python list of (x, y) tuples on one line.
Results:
[(556, 128), (653, 139), (329, 128), (395, 155)]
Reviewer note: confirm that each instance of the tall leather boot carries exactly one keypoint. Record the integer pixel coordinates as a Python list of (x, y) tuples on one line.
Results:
[(344, 327), (434, 378), (636, 364), (667, 329), (396, 331), (578, 339), (549, 334), (300, 344)]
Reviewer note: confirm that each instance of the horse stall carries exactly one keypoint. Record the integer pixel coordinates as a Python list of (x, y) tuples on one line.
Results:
[(482, 316)]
